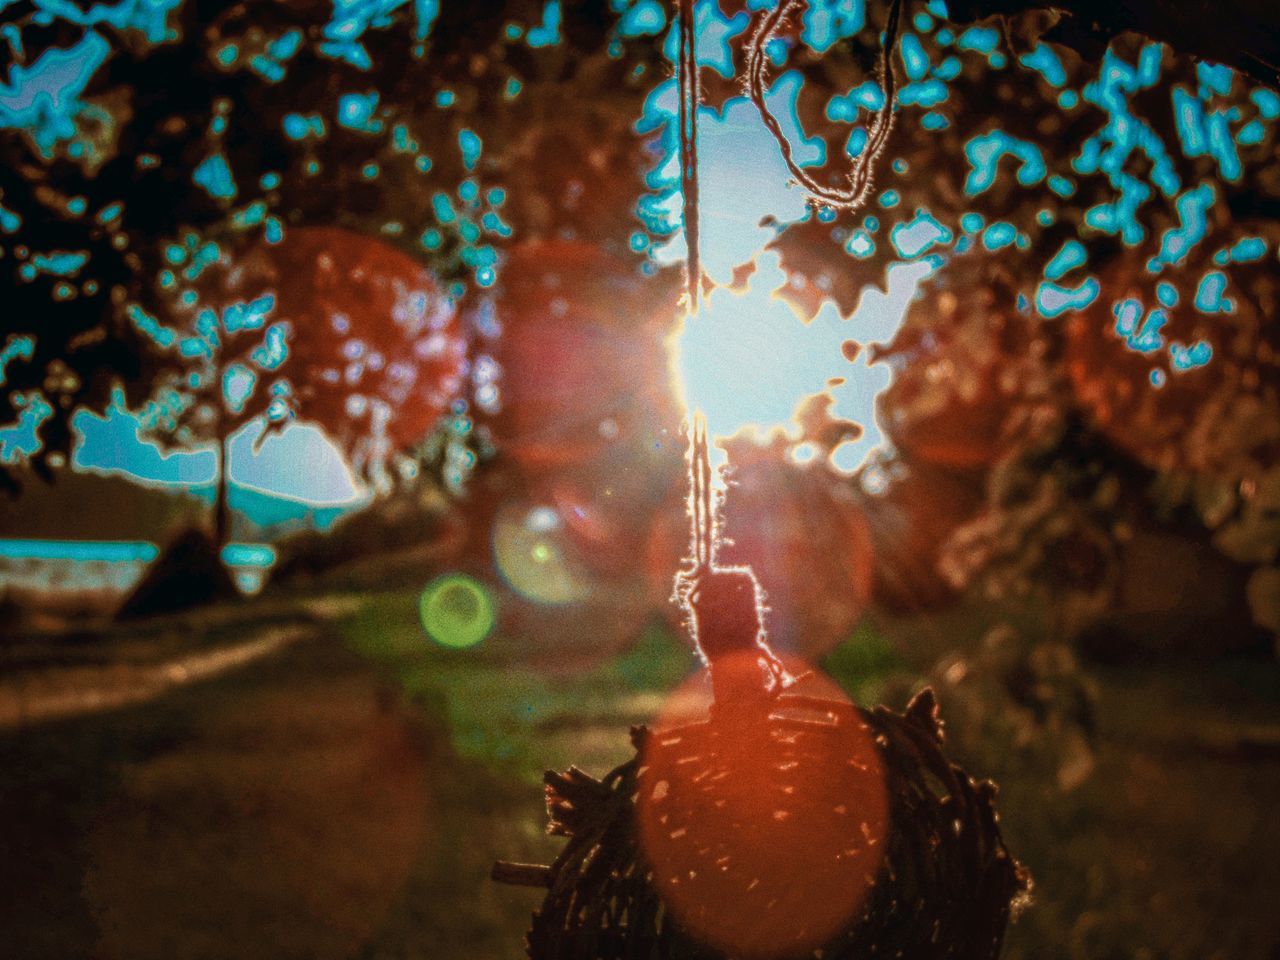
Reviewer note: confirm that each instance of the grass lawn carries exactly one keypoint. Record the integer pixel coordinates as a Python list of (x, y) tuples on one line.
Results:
[(347, 795), (1169, 850)]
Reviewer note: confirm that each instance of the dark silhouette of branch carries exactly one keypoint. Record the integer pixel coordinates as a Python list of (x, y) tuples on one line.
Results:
[(1242, 34), (861, 177)]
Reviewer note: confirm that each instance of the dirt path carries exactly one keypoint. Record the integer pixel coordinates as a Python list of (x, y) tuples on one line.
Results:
[(45, 695), (275, 809)]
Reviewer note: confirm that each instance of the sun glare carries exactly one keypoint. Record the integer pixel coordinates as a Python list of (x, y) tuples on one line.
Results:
[(747, 361)]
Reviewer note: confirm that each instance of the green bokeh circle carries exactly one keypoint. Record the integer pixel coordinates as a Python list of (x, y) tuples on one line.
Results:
[(456, 611)]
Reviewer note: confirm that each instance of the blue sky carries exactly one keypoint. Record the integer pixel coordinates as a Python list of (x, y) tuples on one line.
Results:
[(747, 360), (299, 462)]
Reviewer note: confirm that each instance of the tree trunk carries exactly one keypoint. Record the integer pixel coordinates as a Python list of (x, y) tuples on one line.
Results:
[(221, 502)]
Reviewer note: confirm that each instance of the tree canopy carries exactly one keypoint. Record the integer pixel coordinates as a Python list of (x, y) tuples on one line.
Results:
[(1091, 214)]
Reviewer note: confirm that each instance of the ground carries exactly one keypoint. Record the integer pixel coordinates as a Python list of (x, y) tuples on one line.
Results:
[(343, 789)]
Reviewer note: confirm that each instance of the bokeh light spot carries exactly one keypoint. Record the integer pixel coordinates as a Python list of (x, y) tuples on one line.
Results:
[(765, 832), (456, 611), (529, 551)]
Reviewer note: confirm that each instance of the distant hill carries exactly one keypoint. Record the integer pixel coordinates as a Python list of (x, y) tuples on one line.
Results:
[(270, 516), (91, 506)]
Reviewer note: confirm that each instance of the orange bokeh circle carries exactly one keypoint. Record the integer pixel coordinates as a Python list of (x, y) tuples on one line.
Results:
[(765, 830)]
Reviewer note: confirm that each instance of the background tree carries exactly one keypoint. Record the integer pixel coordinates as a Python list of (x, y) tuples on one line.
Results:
[(1084, 219), (229, 359), (443, 132), (413, 117), (358, 336)]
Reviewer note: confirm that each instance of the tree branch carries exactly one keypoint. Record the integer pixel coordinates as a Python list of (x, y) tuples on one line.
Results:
[(1243, 34)]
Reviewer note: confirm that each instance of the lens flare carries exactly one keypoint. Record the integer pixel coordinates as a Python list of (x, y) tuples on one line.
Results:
[(765, 833), (531, 552), (456, 611), (748, 362)]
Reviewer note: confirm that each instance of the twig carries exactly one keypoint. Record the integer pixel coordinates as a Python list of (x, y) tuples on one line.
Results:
[(861, 177), (690, 98), (521, 874)]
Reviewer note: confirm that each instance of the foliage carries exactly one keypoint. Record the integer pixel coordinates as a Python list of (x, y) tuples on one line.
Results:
[(441, 128), (1100, 233)]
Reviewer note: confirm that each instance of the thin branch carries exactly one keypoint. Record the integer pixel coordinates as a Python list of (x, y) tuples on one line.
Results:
[(861, 176), (690, 98)]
